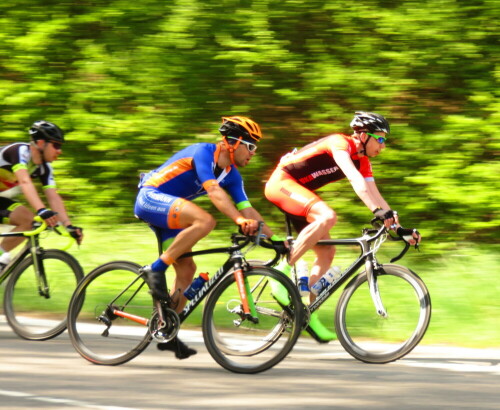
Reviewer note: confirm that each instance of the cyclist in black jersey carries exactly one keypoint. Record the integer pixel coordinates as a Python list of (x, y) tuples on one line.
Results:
[(21, 162)]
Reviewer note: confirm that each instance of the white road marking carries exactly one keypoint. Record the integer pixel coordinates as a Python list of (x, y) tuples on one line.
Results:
[(66, 402)]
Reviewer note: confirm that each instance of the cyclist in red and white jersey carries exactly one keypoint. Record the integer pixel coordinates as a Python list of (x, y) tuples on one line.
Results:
[(299, 174), (19, 164)]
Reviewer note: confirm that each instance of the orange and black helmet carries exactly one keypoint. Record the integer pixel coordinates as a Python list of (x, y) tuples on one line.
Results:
[(242, 127)]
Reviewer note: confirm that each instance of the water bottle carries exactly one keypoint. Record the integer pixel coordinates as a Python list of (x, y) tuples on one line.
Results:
[(337, 271), (303, 275), (197, 284), (331, 275), (4, 260)]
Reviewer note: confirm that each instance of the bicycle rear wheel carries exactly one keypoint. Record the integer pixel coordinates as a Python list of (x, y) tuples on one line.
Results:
[(99, 335), (237, 343), (40, 314), (371, 338)]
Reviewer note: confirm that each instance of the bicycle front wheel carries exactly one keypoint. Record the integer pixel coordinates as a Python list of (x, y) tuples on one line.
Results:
[(368, 336), (242, 345), (97, 333), (36, 301)]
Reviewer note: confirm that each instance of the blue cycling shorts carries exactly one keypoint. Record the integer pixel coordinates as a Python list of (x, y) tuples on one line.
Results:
[(160, 210)]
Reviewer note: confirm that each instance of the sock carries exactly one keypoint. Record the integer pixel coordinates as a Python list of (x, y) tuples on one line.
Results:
[(159, 266)]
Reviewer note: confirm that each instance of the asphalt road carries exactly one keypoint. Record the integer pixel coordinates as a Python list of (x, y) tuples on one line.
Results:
[(51, 375)]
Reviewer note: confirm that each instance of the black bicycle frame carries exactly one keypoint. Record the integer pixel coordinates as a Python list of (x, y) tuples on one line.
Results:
[(366, 258), (234, 262), (30, 247)]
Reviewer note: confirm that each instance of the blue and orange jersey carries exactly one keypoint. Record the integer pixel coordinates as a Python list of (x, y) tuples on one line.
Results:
[(189, 172), (313, 166)]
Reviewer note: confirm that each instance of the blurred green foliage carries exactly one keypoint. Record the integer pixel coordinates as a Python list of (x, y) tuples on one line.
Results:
[(132, 82)]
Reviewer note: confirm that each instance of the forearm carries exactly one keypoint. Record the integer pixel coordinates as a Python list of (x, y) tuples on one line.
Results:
[(57, 205), (376, 196), (363, 191), (223, 203)]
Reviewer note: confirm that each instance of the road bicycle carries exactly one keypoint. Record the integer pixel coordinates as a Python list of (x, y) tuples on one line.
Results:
[(384, 311), (39, 284), (112, 317)]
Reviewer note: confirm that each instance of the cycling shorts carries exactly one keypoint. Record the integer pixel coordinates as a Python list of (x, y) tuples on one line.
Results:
[(7, 205), (160, 210), (288, 195)]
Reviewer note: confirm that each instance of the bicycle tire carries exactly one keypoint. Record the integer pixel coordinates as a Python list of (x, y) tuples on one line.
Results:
[(88, 313), (373, 339), (248, 347), (29, 313)]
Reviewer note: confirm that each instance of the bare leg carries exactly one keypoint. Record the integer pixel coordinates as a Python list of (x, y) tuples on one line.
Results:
[(185, 269), (22, 219), (196, 224), (322, 218)]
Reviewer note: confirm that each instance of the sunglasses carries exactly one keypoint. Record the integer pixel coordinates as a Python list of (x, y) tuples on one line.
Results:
[(251, 147), (380, 139), (56, 145)]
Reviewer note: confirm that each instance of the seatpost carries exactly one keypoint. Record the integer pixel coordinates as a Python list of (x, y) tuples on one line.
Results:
[(289, 236)]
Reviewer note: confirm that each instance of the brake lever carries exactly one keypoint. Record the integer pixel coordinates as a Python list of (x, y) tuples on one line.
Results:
[(56, 229), (407, 246)]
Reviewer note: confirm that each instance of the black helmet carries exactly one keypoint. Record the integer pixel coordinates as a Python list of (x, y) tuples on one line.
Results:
[(44, 130), (240, 127), (369, 121)]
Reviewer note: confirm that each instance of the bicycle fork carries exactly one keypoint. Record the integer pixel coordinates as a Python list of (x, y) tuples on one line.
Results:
[(41, 278), (373, 286)]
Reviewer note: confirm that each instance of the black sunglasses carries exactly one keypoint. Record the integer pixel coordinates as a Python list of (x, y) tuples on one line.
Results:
[(56, 145)]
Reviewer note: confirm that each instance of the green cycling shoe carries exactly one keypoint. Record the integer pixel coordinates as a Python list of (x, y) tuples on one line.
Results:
[(318, 330)]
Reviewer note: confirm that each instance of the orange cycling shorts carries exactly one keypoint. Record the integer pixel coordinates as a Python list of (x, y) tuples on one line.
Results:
[(288, 195)]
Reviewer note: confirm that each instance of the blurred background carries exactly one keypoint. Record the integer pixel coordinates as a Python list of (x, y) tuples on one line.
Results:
[(132, 82)]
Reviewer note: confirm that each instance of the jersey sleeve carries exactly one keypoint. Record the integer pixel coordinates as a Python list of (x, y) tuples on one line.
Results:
[(204, 164), (19, 157), (47, 177), (338, 143)]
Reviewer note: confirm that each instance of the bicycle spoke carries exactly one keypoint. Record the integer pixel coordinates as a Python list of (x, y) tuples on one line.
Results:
[(105, 315), (369, 336), (36, 308), (247, 346)]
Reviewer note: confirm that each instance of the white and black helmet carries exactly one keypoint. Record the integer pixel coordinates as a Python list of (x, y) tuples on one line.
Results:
[(48, 131), (369, 121)]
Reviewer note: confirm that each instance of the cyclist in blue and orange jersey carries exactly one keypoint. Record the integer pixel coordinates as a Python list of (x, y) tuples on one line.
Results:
[(165, 202), (19, 163), (299, 174)]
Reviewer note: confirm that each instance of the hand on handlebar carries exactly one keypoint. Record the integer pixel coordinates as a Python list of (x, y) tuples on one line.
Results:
[(76, 233), (281, 246), (387, 216), (412, 236), (247, 226), (48, 216)]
